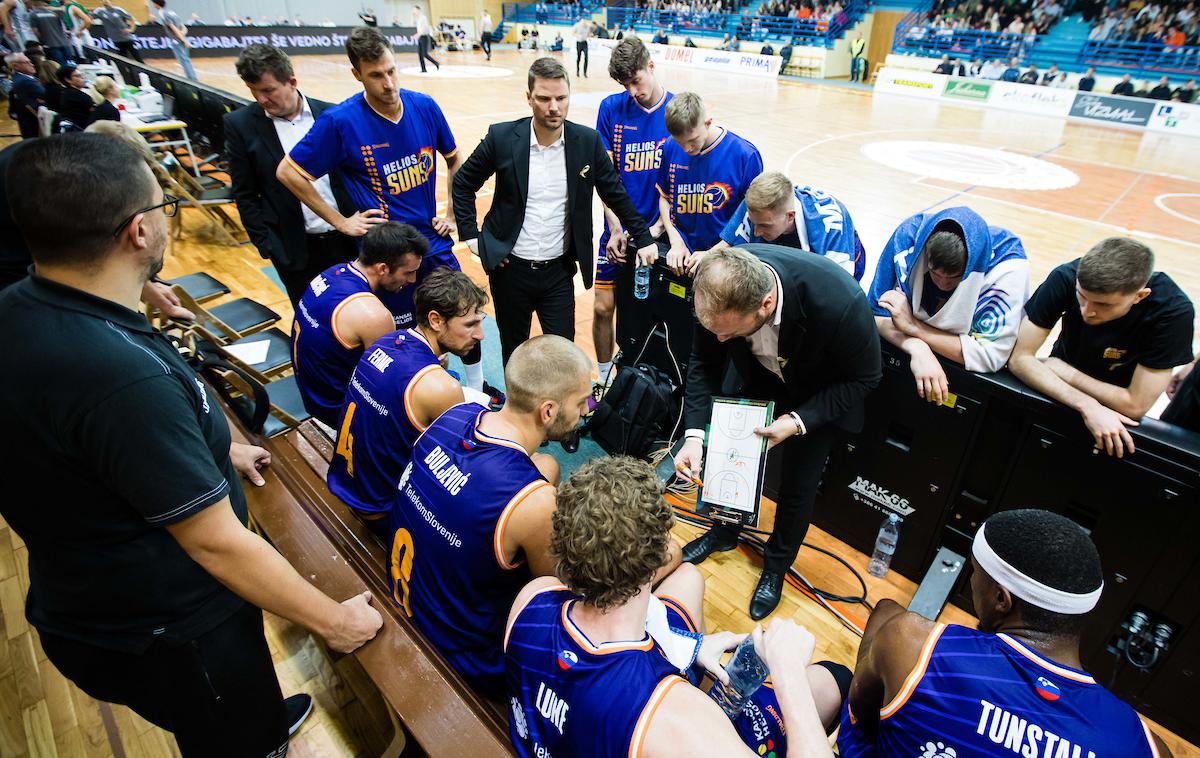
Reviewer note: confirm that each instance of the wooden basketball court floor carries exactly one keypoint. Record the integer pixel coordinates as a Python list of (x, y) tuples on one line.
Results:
[(1125, 183)]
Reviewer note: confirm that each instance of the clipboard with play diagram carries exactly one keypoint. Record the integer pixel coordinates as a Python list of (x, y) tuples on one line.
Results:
[(735, 461)]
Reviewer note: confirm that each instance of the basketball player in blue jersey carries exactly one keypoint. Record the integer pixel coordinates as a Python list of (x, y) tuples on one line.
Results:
[(805, 218), (1014, 686), (591, 673), (339, 314), (471, 518), (704, 175), (398, 389), (384, 141), (633, 131)]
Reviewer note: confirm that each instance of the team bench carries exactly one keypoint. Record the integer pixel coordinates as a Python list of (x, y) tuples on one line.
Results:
[(329, 546)]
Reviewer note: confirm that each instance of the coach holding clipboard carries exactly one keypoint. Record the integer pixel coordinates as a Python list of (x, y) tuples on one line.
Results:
[(793, 329), (539, 228)]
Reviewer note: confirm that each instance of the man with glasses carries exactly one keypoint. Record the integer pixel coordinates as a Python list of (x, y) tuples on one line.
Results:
[(144, 583)]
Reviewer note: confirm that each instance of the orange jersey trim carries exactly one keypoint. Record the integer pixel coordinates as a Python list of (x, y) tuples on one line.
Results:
[(333, 320), (518, 611), (643, 723), (914, 676), (408, 391), (606, 648), (1065, 673), (498, 535), (682, 610), (300, 169)]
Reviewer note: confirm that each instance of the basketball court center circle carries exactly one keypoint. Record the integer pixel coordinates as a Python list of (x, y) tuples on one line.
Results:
[(968, 164)]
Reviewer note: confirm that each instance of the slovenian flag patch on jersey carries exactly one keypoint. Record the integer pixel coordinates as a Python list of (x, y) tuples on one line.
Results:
[(1048, 689), (566, 659)]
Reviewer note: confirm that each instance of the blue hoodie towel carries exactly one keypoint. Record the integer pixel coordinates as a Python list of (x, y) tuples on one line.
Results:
[(986, 307)]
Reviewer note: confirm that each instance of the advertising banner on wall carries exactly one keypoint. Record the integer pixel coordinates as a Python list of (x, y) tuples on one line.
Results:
[(703, 58), (975, 90), (1176, 118), (1126, 111), (912, 83), (210, 41), (1030, 98)]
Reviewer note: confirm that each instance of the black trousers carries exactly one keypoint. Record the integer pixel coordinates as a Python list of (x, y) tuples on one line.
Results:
[(217, 693), (424, 44), (801, 468), (324, 250), (581, 51), (521, 288), (1184, 409), (128, 49), (485, 43)]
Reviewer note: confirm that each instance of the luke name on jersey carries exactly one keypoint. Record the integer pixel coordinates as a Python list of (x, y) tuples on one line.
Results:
[(409, 172), (1024, 737), (641, 156), (701, 197)]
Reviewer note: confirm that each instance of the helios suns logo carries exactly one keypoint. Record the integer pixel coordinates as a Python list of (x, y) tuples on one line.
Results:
[(701, 197)]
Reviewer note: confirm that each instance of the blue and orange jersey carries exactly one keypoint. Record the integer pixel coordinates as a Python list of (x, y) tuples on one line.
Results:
[(635, 136), (973, 693), (569, 696), (378, 428), (385, 164), (449, 571), (705, 190), (322, 359)]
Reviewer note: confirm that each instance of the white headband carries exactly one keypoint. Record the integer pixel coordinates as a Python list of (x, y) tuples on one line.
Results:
[(1031, 590)]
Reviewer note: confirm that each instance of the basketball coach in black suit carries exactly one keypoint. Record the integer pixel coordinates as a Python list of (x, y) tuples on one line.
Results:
[(793, 329), (539, 228), (299, 243)]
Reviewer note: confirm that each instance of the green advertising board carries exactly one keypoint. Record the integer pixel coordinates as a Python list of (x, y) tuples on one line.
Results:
[(968, 89)]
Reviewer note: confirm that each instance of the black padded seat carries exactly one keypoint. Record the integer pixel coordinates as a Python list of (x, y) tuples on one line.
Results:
[(285, 396), (279, 351), (244, 316), (200, 286)]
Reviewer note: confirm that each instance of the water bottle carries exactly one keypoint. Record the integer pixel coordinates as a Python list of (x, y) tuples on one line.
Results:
[(885, 546), (746, 673), (641, 282)]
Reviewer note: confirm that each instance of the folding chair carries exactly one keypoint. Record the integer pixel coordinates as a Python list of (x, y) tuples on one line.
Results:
[(229, 322)]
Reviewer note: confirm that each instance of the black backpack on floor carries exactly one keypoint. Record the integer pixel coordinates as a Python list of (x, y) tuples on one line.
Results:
[(641, 408)]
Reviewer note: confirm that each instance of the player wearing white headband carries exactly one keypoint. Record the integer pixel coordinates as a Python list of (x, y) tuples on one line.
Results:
[(1014, 686)]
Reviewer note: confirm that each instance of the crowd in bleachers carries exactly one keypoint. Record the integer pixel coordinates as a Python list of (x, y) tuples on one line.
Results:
[(1023, 18), (1172, 25), (1012, 71)]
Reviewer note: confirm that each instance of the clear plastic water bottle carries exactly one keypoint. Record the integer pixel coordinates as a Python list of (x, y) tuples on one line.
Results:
[(885, 546), (641, 282), (746, 673)]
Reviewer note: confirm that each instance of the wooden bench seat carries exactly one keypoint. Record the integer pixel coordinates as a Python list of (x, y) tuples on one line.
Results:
[(330, 547)]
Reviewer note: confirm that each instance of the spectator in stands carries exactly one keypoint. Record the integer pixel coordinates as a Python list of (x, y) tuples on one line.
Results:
[(944, 66), (119, 25), (724, 44), (48, 27), (28, 94), (176, 37), (992, 70), (471, 517), (805, 218), (688, 42), (660, 37), (1013, 72), (1161, 91), (1036, 576), (629, 683), (975, 68), (557, 45), (785, 53), (368, 17), (1186, 93), (1062, 82), (699, 156), (949, 284), (340, 314), (766, 48), (1051, 75), (74, 103), (17, 29), (397, 390), (107, 110), (1087, 82), (1124, 328), (150, 509), (1030, 76), (1124, 87), (298, 241), (48, 77)]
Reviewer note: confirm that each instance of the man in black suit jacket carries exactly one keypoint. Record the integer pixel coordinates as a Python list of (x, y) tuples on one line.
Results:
[(793, 329), (539, 227), (296, 240)]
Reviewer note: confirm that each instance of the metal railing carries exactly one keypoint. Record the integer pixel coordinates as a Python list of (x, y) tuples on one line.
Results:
[(1122, 56)]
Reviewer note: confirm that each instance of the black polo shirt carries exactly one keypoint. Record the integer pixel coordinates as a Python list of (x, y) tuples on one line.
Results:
[(109, 437), (1156, 333)]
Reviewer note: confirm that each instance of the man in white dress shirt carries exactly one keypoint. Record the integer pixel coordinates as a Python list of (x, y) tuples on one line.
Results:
[(424, 39), (485, 33), (297, 241)]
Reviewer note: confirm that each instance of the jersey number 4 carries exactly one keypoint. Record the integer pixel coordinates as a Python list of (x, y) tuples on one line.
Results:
[(345, 443), (401, 567)]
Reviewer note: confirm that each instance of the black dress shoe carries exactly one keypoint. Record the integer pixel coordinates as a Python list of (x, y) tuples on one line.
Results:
[(766, 595), (705, 545)]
